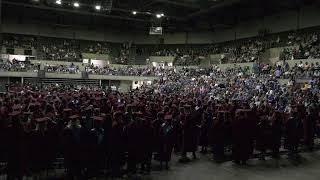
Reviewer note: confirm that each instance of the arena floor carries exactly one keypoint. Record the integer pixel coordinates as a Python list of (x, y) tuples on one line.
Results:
[(306, 168)]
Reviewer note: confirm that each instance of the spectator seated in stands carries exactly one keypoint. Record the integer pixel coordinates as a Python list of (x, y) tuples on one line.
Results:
[(21, 66), (72, 69)]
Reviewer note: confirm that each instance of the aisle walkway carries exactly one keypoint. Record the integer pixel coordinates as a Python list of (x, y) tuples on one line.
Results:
[(307, 168)]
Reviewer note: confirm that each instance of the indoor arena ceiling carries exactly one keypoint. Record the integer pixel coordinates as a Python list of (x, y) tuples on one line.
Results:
[(178, 15)]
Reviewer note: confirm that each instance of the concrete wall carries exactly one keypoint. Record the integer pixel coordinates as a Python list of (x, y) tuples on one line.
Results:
[(122, 78), (125, 86), (63, 76), (43, 63), (159, 59), (225, 66), (18, 74)]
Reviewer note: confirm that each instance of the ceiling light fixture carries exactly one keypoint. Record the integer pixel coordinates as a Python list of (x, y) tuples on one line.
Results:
[(98, 7), (76, 4), (59, 2)]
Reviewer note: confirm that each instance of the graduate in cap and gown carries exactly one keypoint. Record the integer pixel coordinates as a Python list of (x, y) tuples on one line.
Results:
[(190, 133), (40, 147), (17, 145), (97, 146), (117, 144), (167, 141), (218, 136), (206, 125), (134, 141), (293, 127), (243, 131), (264, 135), (74, 147), (309, 124), (146, 149), (276, 128), (156, 124)]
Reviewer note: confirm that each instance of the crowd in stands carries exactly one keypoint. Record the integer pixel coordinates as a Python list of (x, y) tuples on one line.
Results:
[(57, 50), (302, 46), (97, 48), (62, 68), (124, 54), (19, 41), (18, 66), (280, 70), (248, 50)]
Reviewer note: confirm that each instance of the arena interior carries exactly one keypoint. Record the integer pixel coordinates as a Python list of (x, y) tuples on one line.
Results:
[(159, 89)]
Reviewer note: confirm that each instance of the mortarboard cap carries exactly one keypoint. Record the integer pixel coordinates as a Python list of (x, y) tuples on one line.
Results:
[(41, 120), (14, 113), (98, 118), (168, 117), (73, 117), (27, 113)]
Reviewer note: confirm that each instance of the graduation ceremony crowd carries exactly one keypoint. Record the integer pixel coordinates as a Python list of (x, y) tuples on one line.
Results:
[(107, 133)]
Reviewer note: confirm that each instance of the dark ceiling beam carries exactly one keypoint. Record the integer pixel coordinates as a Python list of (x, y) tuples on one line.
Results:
[(91, 13), (225, 3), (148, 14), (74, 11), (171, 2)]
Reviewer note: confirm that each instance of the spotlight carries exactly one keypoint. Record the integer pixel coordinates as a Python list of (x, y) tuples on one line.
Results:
[(98, 7), (158, 16), (59, 2), (162, 15), (134, 12), (76, 4)]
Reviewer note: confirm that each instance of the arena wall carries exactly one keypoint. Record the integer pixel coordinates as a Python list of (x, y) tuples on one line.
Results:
[(285, 21), (65, 32)]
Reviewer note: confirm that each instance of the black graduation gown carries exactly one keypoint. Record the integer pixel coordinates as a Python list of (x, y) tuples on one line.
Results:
[(146, 147), (309, 130), (75, 149), (116, 145), (242, 137), (40, 151), (276, 135), (191, 132), (156, 124), (293, 127), (264, 135), (17, 145), (205, 128), (218, 137), (97, 151), (134, 140), (167, 142)]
